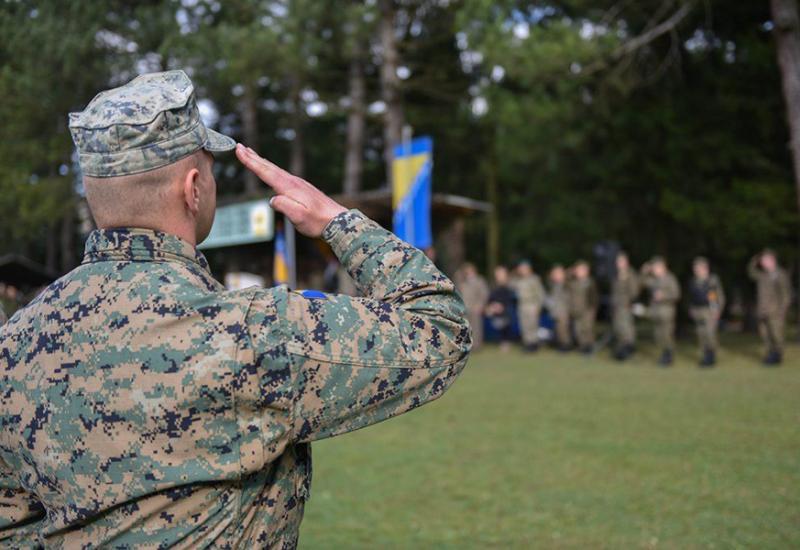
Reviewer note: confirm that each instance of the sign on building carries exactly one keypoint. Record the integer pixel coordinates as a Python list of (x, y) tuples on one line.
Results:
[(242, 223)]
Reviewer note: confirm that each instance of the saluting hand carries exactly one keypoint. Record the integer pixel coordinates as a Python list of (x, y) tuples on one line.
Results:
[(308, 208)]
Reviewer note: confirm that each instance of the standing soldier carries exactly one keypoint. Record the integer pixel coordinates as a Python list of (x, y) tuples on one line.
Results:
[(558, 306), (624, 290), (774, 298), (475, 292), (155, 408), (707, 300), (583, 302), (501, 306), (530, 297), (664, 295)]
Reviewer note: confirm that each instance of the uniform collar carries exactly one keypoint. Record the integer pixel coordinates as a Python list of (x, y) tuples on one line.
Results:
[(130, 244)]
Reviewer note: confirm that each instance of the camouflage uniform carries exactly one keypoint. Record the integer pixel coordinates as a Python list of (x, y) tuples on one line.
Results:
[(583, 302), (144, 406), (707, 302), (774, 293), (3, 317), (530, 297), (662, 309), (558, 306), (475, 292), (624, 290)]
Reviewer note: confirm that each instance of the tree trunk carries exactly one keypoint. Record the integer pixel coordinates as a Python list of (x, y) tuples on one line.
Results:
[(356, 122), (390, 86), (297, 165), (787, 37), (493, 219), (249, 113)]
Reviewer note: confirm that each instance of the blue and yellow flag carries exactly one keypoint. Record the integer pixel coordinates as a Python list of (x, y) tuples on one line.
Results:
[(280, 264), (411, 193)]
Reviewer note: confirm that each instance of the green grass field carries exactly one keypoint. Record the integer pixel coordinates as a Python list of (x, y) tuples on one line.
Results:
[(564, 451)]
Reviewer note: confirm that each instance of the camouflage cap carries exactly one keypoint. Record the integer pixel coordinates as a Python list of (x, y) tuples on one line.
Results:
[(150, 122)]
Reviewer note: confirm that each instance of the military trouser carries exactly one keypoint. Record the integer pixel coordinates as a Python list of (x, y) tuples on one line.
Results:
[(584, 328), (624, 326), (664, 326), (771, 329), (529, 323), (706, 321), (475, 318), (562, 330)]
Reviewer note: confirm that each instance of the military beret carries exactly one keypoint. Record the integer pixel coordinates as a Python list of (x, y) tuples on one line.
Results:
[(150, 122)]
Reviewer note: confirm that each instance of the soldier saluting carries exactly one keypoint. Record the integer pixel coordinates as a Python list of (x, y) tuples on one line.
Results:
[(774, 298), (146, 406)]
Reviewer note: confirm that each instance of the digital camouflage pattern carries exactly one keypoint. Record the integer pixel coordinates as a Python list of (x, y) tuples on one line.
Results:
[(150, 122), (145, 406)]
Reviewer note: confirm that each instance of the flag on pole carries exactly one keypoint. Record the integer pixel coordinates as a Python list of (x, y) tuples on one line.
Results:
[(280, 264), (411, 193)]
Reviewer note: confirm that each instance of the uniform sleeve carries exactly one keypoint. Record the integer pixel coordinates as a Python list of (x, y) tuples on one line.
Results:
[(594, 297), (358, 361), (752, 268), (720, 294), (673, 290), (786, 291), (539, 289), (20, 513), (634, 286)]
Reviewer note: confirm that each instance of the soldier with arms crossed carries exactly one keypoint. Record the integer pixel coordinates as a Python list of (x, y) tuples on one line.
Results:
[(144, 406)]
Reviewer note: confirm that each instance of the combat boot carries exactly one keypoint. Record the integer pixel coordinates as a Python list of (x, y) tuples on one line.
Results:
[(773, 359), (709, 358), (666, 358)]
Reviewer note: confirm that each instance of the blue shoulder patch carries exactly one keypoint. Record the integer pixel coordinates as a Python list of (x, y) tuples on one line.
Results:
[(313, 294)]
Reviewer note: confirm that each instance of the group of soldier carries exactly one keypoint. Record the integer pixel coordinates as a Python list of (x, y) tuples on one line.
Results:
[(572, 300)]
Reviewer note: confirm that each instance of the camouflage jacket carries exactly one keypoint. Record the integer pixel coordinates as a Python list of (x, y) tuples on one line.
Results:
[(558, 300), (774, 290), (475, 292), (664, 294), (529, 290), (144, 406), (624, 290), (583, 296)]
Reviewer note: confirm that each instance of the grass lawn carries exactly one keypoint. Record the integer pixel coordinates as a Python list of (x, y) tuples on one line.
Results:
[(565, 451)]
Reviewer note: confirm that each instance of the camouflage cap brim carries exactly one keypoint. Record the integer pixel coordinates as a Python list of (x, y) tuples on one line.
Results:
[(218, 143)]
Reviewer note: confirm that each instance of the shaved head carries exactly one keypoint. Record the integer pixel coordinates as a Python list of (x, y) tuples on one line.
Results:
[(137, 200)]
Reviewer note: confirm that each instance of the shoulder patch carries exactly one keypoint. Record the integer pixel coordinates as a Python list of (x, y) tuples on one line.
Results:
[(313, 294)]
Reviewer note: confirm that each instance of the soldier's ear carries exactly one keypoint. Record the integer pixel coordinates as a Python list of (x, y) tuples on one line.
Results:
[(191, 190)]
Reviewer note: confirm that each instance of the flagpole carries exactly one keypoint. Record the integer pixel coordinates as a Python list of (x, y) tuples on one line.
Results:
[(291, 253)]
